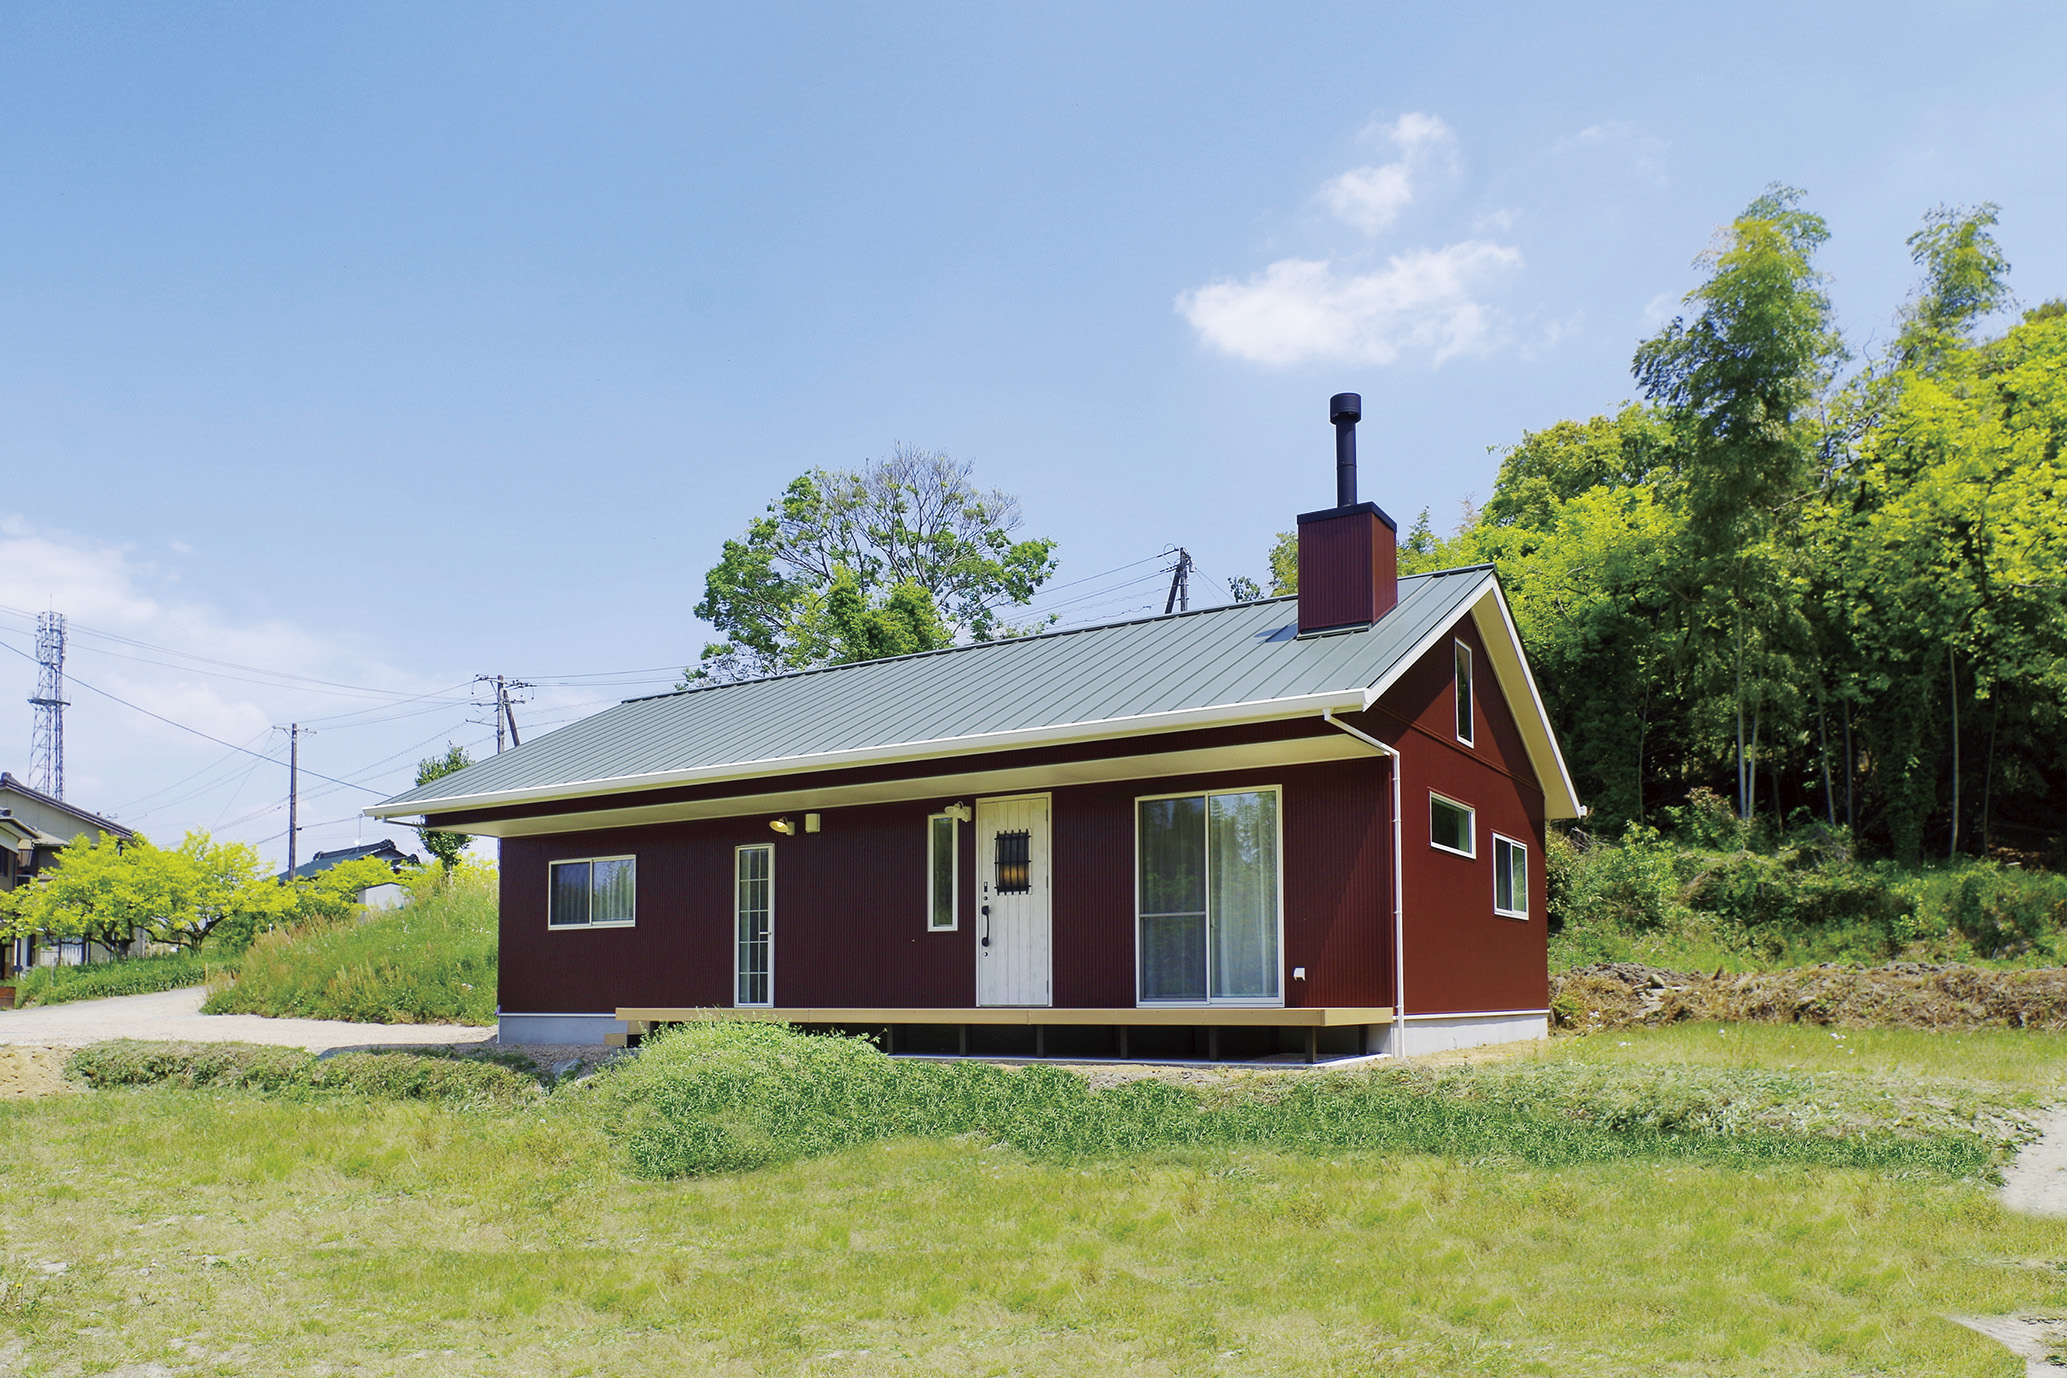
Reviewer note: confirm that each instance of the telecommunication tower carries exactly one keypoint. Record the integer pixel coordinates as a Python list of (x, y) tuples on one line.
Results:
[(47, 750)]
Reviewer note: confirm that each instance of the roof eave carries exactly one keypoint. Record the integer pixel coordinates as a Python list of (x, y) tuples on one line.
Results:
[(1220, 715)]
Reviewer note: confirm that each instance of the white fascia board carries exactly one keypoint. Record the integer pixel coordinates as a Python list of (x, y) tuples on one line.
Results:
[(1511, 665), (1517, 682), (1104, 729)]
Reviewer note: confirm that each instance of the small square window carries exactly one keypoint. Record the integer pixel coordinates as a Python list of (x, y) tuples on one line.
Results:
[(1510, 878), (592, 893), (1450, 826)]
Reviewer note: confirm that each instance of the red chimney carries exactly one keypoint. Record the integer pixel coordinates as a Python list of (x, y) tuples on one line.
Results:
[(1348, 554)]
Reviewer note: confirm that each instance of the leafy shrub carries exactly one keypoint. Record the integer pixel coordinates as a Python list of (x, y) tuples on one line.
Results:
[(431, 961), (726, 1097), (1798, 897), (96, 980), (254, 1067)]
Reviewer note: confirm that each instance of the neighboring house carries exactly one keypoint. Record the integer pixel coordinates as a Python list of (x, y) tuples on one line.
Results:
[(34, 828), (1291, 827), (386, 896)]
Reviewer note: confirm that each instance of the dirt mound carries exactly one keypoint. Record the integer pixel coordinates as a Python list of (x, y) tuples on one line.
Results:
[(1906, 995), (26, 1072)]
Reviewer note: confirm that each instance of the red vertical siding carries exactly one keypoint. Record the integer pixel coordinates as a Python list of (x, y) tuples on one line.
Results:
[(1348, 567), (1460, 956), (850, 904)]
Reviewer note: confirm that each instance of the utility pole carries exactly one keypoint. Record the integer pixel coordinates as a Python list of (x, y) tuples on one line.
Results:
[(502, 706), (295, 732), (47, 749), (1180, 583)]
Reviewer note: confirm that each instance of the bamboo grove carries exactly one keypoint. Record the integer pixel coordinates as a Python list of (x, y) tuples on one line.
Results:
[(1823, 586)]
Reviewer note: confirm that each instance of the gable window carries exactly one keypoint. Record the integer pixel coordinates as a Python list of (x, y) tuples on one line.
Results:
[(1208, 910), (1464, 693), (594, 893), (943, 889), (1451, 826), (753, 901), (1510, 878)]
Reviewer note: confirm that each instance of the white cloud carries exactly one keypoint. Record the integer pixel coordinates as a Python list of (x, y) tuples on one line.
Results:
[(1298, 310), (1371, 198)]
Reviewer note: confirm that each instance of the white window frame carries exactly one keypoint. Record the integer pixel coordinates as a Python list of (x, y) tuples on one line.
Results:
[(954, 870), (1470, 825), (1520, 852), (550, 887), (1462, 712), (738, 1003), (1224, 1002)]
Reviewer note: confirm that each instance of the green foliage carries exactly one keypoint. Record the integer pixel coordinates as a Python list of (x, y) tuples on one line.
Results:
[(107, 892), (432, 961), (1734, 895), (291, 1071), (730, 1097), (1846, 597), (446, 847), (905, 555), (55, 985)]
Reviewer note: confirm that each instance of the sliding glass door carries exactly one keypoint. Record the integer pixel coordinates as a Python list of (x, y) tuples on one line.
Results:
[(1207, 897)]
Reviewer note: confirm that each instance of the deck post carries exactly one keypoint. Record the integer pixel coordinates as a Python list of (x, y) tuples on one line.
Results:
[(1040, 1040), (1312, 1042), (890, 1039), (1121, 1029), (962, 1039), (1213, 1043)]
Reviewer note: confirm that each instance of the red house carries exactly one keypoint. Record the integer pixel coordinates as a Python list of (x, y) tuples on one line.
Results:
[(1308, 825)]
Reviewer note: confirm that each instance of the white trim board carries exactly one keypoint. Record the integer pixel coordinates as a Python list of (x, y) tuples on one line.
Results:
[(1026, 779)]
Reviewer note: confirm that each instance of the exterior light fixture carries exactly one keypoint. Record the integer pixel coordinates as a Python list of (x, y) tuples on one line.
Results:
[(960, 812), (786, 826)]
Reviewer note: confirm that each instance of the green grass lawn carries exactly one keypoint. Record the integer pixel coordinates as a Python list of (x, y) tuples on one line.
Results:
[(2007, 1058), (230, 1231)]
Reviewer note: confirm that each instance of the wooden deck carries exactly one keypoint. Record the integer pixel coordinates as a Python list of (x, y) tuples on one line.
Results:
[(1224, 1016), (641, 1020)]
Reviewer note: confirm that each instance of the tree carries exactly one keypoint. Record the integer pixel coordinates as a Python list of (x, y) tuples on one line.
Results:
[(446, 847), (1741, 385), (903, 555), (108, 893)]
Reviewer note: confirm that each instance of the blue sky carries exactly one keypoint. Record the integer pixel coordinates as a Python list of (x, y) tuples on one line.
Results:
[(388, 345)]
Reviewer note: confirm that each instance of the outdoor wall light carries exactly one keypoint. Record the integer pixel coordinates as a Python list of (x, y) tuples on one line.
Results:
[(786, 826), (960, 812)]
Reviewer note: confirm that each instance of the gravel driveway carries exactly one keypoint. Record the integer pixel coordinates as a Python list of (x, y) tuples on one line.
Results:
[(175, 1015)]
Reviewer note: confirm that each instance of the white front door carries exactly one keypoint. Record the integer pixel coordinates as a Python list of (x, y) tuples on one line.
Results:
[(1012, 902)]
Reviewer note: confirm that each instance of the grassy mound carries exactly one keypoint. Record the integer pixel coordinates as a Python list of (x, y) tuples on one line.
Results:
[(289, 1071), (430, 962), (130, 976), (730, 1097)]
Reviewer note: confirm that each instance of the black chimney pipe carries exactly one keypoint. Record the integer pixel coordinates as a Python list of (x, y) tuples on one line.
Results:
[(1345, 409)]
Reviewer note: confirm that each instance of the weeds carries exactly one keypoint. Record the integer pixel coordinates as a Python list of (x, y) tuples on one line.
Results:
[(54, 985), (292, 1072), (432, 961), (719, 1098)]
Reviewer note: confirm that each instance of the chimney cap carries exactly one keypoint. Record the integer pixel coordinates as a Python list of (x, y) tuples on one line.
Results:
[(1345, 406)]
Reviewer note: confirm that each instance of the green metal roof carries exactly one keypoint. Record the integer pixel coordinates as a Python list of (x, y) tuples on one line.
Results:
[(1245, 661)]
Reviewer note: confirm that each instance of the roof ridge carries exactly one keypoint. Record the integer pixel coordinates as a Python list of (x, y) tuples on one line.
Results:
[(1010, 640)]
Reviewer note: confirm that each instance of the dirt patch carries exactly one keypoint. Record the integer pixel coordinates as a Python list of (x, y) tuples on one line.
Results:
[(27, 1072), (1902, 995)]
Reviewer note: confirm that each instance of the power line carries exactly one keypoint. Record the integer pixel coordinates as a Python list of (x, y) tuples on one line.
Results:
[(205, 736)]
